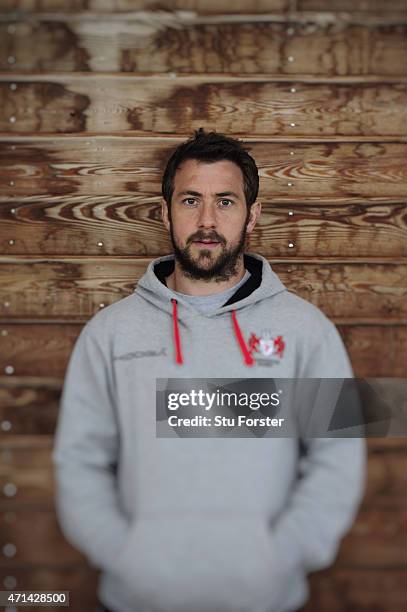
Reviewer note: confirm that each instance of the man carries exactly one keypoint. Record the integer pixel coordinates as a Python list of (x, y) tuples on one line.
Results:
[(220, 524)]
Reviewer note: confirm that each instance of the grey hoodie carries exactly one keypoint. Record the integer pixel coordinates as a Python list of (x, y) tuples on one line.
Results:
[(200, 524)]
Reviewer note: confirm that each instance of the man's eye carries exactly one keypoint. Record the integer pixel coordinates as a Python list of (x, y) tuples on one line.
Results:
[(228, 201), (189, 201)]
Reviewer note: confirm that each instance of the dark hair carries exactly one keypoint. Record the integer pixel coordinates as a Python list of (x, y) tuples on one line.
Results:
[(211, 147)]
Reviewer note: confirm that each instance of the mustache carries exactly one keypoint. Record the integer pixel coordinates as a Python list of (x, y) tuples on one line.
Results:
[(214, 237)]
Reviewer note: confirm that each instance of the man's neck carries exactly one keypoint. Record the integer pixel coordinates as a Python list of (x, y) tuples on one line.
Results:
[(177, 281)]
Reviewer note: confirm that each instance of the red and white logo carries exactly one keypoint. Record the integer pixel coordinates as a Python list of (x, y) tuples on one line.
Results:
[(269, 349)]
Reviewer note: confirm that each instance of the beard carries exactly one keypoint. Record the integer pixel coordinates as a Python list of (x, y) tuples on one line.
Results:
[(208, 266)]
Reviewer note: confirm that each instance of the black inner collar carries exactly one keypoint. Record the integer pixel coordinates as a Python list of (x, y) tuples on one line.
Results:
[(253, 265)]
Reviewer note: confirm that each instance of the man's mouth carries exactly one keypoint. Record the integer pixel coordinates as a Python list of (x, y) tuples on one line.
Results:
[(206, 243)]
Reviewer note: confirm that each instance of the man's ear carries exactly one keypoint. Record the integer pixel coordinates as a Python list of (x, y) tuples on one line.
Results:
[(164, 214), (255, 211)]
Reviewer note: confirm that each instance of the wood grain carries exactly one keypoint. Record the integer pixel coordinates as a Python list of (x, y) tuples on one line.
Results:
[(185, 43), (398, 444), (352, 5), (387, 480), (345, 590), (132, 226), (46, 544), (203, 7), (376, 350), (74, 288), (165, 106), (118, 6), (30, 467), (94, 95), (36, 349), (31, 470), (377, 539), (28, 409), (105, 167)]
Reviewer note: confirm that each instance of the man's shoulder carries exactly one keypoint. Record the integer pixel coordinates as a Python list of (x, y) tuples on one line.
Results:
[(301, 313), (120, 314)]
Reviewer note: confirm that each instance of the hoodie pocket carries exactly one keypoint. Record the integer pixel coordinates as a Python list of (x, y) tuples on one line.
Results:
[(205, 564)]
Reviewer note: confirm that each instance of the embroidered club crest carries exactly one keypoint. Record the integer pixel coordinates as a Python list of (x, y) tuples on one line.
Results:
[(269, 349)]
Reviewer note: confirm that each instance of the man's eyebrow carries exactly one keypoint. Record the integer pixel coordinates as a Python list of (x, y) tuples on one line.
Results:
[(190, 192), (220, 194), (226, 193)]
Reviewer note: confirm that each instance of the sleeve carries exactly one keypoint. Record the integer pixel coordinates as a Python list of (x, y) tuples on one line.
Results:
[(85, 456), (331, 482)]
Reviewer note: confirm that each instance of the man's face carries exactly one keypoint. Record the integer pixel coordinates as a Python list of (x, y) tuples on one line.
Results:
[(208, 219)]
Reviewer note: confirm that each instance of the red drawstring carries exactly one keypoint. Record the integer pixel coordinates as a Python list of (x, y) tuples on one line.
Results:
[(177, 338), (248, 359)]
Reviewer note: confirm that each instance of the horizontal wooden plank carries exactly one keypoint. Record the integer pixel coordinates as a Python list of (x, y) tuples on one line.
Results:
[(43, 545), (382, 445), (37, 350), (168, 106), (152, 6), (11, 442), (386, 480), (28, 410), (203, 7), (342, 590), (43, 350), (182, 43), (76, 288), (376, 350), (30, 468), (34, 442), (381, 396), (378, 538), (104, 168), (352, 5), (132, 226)]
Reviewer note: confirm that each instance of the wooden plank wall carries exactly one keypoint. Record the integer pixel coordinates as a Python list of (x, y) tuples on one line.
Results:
[(93, 96)]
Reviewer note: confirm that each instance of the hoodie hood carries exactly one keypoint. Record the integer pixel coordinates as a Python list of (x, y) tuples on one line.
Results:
[(262, 284), (153, 290)]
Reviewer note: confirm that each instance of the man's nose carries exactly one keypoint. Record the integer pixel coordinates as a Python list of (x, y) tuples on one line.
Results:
[(207, 215)]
